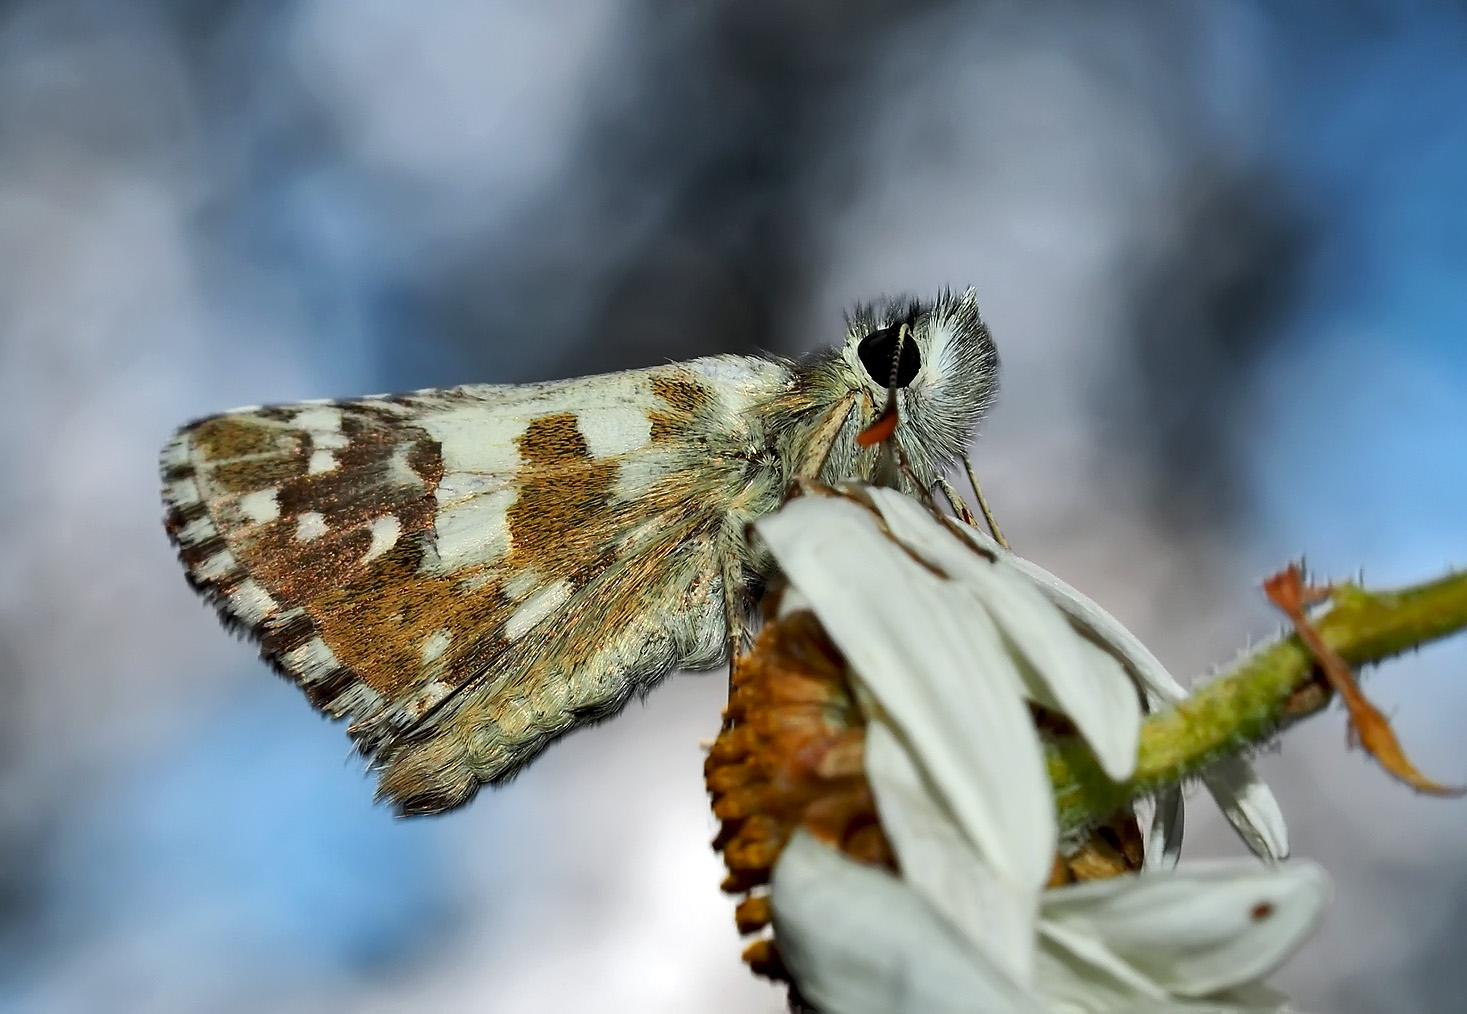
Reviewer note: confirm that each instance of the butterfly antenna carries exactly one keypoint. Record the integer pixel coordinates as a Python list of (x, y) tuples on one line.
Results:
[(983, 505), (896, 362), (885, 424)]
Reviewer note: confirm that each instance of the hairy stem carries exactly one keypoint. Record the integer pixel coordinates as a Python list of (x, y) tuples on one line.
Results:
[(1263, 694)]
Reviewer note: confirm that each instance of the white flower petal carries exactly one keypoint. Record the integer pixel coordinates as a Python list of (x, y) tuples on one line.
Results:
[(1078, 942), (1164, 839), (938, 669), (942, 866), (1074, 988), (1080, 680), (1087, 615), (1250, 807), (858, 941), (1199, 929), (792, 600), (1113, 725)]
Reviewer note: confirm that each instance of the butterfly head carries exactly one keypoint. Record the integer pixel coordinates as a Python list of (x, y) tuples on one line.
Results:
[(934, 363)]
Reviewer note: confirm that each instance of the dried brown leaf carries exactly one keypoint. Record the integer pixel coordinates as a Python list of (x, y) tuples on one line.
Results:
[(1368, 726)]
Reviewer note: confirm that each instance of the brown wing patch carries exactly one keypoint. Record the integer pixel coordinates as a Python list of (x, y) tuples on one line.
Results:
[(259, 473), (380, 624), (685, 398), (561, 488), (227, 437)]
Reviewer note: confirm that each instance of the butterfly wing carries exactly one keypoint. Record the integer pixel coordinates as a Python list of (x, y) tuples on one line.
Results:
[(467, 573)]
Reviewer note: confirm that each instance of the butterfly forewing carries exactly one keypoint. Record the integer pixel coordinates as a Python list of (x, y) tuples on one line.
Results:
[(468, 572)]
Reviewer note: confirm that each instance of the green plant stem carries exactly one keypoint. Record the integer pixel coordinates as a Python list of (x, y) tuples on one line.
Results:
[(1263, 694)]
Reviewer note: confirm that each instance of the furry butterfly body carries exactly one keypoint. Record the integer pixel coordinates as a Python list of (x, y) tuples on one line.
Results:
[(468, 573)]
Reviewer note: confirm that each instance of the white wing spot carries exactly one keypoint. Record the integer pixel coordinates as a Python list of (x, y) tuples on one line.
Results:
[(261, 506), (251, 602), (184, 493), (216, 566), (385, 531), (323, 423), (456, 487), (739, 373), (536, 608), (472, 439), (474, 532), (197, 531), (318, 419), (398, 469), (614, 430), (432, 692), (435, 644), (517, 586), (310, 525), (175, 453), (311, 661), (636, 475)]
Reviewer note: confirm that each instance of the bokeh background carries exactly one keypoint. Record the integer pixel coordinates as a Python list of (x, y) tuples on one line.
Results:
[(1222, 244)]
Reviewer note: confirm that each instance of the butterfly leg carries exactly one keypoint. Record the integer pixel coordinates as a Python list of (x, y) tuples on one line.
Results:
[(959, 507), (733, 610), (983, 504)]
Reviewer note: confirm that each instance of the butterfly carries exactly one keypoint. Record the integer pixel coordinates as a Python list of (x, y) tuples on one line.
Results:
[(469, 573)]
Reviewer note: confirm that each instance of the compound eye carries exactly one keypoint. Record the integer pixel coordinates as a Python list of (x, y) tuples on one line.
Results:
[(879, 348)]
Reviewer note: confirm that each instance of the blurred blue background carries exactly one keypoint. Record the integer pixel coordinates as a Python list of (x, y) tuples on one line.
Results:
[(1222, 246)]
